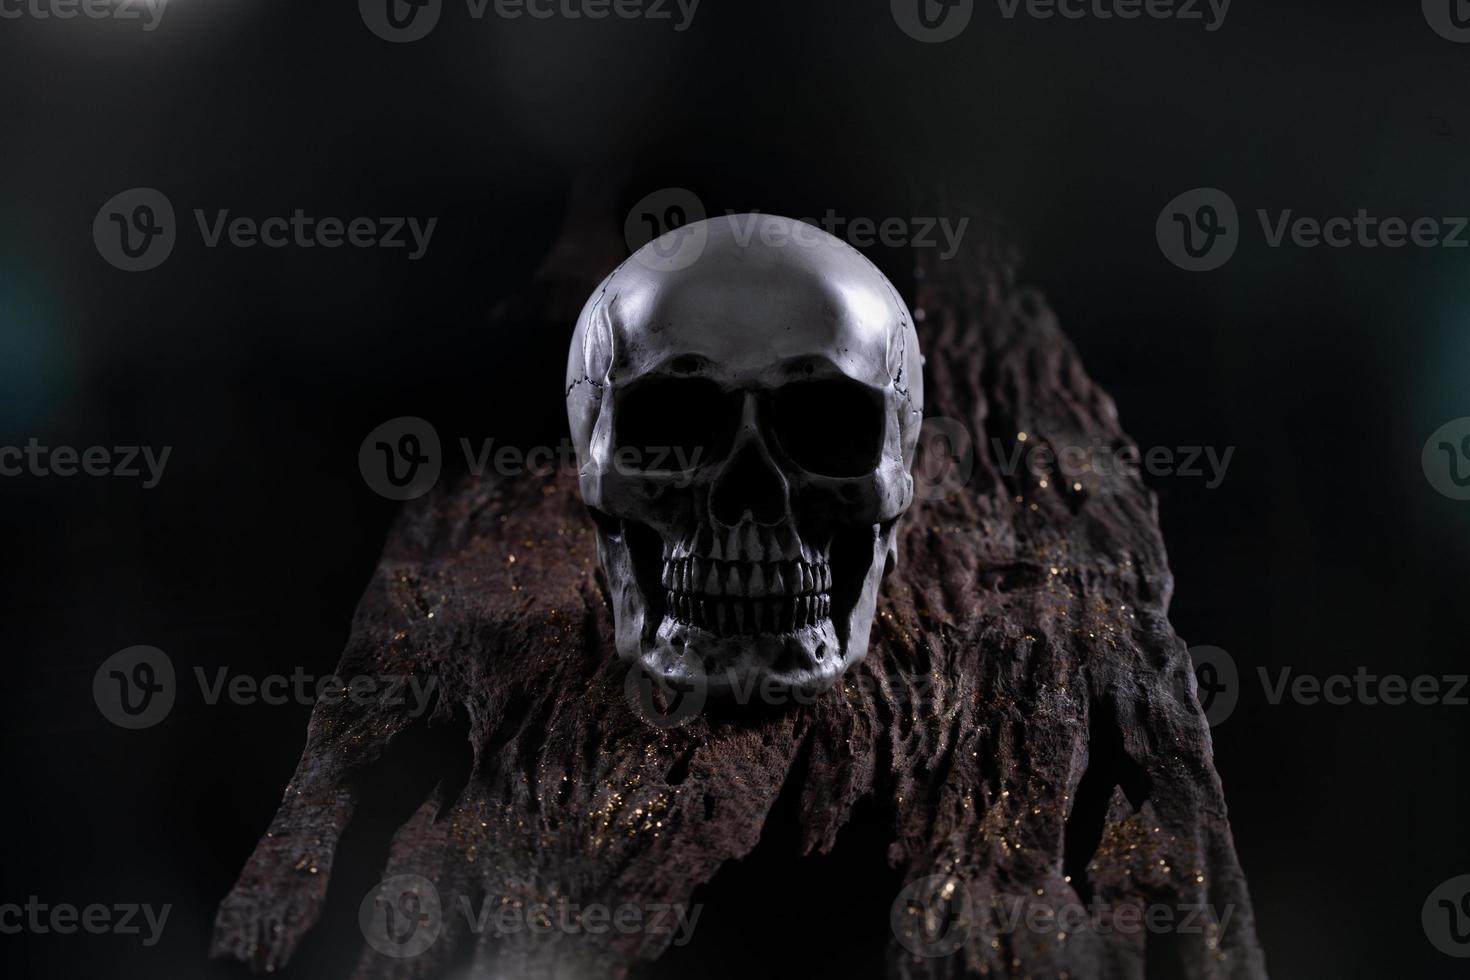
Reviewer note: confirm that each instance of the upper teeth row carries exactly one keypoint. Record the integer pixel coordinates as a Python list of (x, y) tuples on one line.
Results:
[(709, 577), (747, 542)]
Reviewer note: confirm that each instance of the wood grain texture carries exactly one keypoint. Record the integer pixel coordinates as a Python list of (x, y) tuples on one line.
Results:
[(1025, 725)]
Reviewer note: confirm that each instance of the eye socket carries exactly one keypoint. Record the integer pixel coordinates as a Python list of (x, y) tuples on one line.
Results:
[(831, 427), (670, 424)]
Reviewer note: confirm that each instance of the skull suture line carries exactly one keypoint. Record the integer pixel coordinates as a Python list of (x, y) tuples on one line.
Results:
[(745, 417)]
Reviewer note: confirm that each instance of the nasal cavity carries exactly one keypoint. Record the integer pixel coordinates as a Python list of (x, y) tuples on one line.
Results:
[(749, 482)]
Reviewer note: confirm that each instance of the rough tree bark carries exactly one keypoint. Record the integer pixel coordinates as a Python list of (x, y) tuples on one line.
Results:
[(1026, 725)]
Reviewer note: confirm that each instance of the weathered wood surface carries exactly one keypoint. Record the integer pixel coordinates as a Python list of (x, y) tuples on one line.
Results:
[(1025, 725)]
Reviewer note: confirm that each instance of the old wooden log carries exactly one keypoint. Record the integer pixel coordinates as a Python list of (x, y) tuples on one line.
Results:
[(1017, 776)]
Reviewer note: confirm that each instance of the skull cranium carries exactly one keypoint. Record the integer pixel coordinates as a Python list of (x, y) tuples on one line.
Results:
[(745, 421)]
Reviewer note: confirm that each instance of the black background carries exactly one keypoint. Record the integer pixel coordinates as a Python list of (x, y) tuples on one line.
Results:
[(1325, 548)]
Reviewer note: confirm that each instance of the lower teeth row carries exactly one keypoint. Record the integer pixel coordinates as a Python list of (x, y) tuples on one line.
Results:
[(749, 615)]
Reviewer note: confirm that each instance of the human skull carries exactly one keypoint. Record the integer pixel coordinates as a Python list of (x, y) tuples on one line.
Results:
[(745, 394)]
